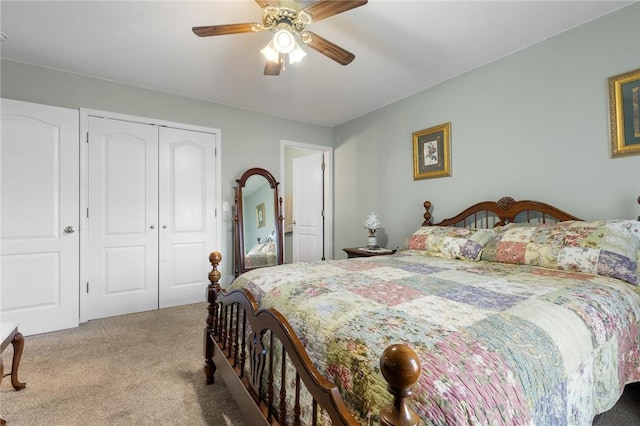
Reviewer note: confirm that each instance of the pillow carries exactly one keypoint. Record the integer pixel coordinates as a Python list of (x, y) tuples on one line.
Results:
[(451, 243), (609, 248), (263, 248)]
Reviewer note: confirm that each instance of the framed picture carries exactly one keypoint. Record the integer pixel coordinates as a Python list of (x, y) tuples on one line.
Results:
[(432, 152), (260, 215), (624, 113)]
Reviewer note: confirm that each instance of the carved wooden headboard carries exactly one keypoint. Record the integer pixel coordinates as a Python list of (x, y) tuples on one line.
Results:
[(488, 214)]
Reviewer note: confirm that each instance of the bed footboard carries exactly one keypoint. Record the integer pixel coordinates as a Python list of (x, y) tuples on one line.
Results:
[(267, 359)]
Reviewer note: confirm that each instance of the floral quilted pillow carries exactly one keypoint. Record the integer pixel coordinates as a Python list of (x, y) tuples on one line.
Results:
[(451, 243), (263, 248), (609, 248)]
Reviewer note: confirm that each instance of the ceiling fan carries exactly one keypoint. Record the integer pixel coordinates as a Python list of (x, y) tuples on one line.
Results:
[(286, 24)]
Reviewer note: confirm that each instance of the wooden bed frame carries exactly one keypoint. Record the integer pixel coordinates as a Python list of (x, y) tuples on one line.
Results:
[(234, 316), (489, 214)]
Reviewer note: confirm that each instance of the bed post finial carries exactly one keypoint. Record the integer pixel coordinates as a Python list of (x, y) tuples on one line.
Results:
[(212, 318), (400, 367), (427, 214)]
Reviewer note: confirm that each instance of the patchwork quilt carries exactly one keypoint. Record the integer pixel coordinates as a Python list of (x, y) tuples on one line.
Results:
[(499, 344)]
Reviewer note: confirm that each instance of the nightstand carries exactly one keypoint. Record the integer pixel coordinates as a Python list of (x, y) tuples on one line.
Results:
[(361, 252)]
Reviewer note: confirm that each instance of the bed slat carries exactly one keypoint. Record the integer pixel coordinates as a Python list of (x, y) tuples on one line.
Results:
[(236, 339), (283, 389), (296, 407), (315, 413), (270, 378), (243, 346)]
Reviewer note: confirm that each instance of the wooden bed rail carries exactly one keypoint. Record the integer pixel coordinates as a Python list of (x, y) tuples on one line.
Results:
[(262, 349)]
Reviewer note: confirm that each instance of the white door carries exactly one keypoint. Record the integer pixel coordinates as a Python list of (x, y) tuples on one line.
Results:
[(122, 218), (307, 190), (39, 256), (186, 215)]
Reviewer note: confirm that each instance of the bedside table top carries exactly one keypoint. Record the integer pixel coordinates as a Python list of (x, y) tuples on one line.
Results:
[(363, 252)]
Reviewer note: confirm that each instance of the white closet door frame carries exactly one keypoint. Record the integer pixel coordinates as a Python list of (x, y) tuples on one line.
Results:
[(84, 126)]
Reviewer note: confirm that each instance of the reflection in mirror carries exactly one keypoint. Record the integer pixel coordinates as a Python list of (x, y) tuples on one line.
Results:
[(258, 236), (258, 222)]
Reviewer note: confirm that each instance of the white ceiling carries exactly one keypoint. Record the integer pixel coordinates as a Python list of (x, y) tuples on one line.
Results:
[(401, 48)]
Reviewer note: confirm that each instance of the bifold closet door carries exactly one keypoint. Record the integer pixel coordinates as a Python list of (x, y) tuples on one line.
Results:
[(151, 197), (186, 214), (122, 254), (39, 257)]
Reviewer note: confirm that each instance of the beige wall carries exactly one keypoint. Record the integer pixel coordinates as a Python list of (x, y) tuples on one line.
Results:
[(533, 125), (249, 139)]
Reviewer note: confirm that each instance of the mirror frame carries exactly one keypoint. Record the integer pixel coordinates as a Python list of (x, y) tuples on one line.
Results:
[(238, 219)]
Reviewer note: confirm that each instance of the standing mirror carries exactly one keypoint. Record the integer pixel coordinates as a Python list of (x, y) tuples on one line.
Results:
[(258, 222)]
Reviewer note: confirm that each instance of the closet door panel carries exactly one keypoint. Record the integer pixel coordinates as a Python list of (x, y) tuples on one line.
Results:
[(187, 214), (188, 178), (123, 218)]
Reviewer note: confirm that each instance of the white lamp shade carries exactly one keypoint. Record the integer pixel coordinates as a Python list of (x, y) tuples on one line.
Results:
[(271, 53), (296, 54), (283, 41)]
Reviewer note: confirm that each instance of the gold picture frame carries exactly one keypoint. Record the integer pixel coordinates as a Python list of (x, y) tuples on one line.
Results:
[(432, 152), (261, 218), (624, 114)]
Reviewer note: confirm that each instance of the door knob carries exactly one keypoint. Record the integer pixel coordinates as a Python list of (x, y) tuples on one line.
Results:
[(164, 226), (69, 230), (153, 227)]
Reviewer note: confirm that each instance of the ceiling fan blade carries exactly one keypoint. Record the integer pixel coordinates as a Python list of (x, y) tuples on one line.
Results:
[(265, 3), (325, 8), (327, 48), (214, 30), (272, 68)]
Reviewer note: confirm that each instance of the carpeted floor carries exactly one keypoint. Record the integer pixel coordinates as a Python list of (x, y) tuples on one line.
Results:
[(144, 369), (138, 369), (626, 411)]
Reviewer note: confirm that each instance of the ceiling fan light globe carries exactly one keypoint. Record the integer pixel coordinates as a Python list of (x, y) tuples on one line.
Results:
[(296, 54), (271, 53), (283, 41)]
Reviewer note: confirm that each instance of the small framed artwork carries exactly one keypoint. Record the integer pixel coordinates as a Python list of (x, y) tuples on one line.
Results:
[(624, 114), (260, 215), (432, 152)]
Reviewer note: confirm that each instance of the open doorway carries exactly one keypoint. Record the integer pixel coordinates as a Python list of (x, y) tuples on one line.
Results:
[(307, 191)]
